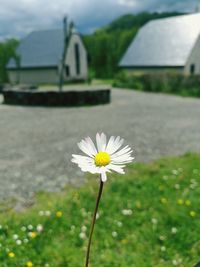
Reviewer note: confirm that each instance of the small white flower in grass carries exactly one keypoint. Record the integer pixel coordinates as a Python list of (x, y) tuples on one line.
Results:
[(83, 228), (104, 157), (39, 228), (25, 240), (114, 234), (119, 224), (177, 186), (83, 212), (47, 213), (154, 221), (73, 227), (175, 262), (127, 212), (174, 230), (162, 237), (30, 227), (23, 228), (18, 242), (192, 186), (41, 213), (180, 260), (165, 177), (175, 172), (15, 237), (82, 235), (163, 248)]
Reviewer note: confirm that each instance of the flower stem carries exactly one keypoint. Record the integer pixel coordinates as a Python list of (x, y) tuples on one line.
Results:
[(93, 222)]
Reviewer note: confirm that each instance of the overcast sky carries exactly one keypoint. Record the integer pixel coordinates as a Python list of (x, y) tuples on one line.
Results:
[(18, 17)]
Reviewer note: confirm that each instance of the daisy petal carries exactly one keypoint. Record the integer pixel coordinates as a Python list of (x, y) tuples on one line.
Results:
[(91, 169), (116, 168), (101, 141), (86, 149), (124, 150), (91, 144), (80, 158), (110, 144), (114, 144), (126, 158)]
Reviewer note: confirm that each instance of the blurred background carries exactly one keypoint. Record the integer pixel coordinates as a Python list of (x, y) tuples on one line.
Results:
[(70, 69)]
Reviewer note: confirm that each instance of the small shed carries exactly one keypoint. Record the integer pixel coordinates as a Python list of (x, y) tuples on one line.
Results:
[(169, 44), (41, 54)]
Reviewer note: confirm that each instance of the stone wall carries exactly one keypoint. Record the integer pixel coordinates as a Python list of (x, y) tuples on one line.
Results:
[(50, 98)]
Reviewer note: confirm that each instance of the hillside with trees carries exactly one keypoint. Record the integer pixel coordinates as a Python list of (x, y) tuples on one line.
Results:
[(107, 45)]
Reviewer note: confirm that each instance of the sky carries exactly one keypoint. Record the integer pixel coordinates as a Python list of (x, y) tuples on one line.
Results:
[(17, 18)]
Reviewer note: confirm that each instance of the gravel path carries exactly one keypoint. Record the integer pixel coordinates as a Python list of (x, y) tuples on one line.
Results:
[(36, 143)]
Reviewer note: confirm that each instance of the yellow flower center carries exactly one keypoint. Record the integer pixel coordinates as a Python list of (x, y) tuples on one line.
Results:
[(102, 159)]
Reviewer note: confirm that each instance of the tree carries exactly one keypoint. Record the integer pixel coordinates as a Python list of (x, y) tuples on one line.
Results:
[(7, 51)]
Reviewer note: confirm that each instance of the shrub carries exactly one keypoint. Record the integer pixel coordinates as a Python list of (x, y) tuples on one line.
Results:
[(175, 83)]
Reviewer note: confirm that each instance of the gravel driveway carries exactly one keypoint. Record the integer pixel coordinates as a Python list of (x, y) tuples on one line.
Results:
[(36, 143)]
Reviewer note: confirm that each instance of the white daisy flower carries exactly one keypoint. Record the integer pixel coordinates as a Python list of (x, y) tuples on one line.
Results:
[(103, 158)]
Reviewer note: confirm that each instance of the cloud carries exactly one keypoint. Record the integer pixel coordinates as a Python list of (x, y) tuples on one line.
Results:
[(17, 18), (127, 2)]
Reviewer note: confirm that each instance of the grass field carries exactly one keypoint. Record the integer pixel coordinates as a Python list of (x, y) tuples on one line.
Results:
[(96, 83), (147, 218)]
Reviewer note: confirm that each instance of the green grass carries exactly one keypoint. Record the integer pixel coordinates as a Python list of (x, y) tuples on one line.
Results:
[(95, 82), (161, 228)]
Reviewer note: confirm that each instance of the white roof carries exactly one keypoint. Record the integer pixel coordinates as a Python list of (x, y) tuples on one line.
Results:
[(163, 42)]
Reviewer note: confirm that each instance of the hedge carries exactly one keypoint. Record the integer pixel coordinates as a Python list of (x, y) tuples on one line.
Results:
[(175, 83)]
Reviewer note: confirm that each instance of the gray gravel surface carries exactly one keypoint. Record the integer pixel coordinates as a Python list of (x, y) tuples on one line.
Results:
[(36, 143)]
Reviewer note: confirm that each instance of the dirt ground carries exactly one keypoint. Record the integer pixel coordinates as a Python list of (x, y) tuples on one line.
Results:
[(36, 143)]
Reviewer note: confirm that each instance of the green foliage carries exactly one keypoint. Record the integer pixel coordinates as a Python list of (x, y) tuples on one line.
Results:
[(173, 83), (145, 219), (7, 51), (128, 21), (107, 45)]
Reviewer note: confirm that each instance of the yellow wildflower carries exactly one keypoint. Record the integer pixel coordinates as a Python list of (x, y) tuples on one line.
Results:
[(11, 254), (33, 234), (124, 241), (29, 264), (163, 200), (138, 204), (59, 214), (187, 202), (180, 201), (193, 213)]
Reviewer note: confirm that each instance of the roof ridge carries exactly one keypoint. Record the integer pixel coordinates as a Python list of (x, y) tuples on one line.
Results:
[(173, 17)]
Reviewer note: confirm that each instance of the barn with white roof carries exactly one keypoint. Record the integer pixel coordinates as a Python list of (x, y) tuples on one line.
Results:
[(166, 44), (41, 55)]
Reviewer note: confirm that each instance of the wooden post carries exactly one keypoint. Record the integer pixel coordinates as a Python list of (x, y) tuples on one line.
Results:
[(18, 64), (66, 41)]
